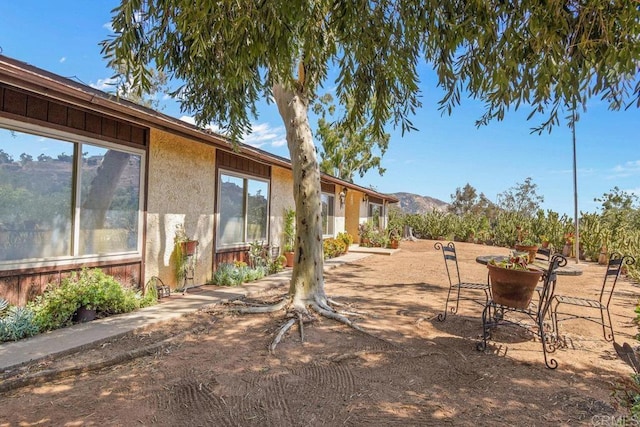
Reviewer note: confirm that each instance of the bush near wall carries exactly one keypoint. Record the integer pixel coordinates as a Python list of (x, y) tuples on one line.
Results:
[(333, 247), (56, 307)]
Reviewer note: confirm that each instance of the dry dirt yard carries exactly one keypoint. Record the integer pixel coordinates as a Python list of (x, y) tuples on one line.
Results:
[(213, 368)]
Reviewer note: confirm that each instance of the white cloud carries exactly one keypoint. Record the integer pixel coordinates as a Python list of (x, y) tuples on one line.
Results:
[(192, 121), (627, 169), (63, 59), (107, 26), (262, 134), (107, 85)]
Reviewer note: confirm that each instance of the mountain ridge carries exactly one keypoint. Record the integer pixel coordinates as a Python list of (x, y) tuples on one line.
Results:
[(416, 204)]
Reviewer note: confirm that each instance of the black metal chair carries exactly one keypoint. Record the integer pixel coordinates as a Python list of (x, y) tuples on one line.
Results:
[(495, 313), (601, 305), (543, 254), (455, 282)]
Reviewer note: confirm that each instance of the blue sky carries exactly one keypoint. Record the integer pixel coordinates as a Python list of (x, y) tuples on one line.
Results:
[(445, 153)]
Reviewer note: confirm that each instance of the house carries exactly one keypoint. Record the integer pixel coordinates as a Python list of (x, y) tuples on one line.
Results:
[(96, 181)]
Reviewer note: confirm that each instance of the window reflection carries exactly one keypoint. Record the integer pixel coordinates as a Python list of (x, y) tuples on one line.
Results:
[(243, 210), (109, 201), (36, 195), (37, 188)]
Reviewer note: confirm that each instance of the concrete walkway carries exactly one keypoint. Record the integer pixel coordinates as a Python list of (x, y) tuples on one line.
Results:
[(66, 340)]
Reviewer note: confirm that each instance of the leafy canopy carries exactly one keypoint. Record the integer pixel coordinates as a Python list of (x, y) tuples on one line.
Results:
[(551, 55), (521, 198), (466, 200)]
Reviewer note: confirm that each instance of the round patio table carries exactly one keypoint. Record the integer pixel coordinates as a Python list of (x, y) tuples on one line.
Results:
[(567, 270)]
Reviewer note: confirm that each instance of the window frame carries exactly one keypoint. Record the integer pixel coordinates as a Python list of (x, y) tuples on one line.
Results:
[(220, 247), (76, 185)]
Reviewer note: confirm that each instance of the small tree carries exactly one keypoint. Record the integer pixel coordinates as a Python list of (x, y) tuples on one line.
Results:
[(522, 199), (345, 151)]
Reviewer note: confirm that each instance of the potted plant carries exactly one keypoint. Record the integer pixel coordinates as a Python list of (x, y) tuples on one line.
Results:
[(529, 246), (185, 249), (513, 281), (394, 238), (568, 244), (289, 230), (544, 240), (365, 231)]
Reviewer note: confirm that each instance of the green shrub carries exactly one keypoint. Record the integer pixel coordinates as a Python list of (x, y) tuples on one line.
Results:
[(226, 275), (333, 247), (55, 308), (92, 289), (346, 238)]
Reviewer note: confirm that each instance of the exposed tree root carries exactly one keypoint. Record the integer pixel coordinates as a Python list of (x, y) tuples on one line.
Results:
[(320, 306), (268, 308), (301, 326), (283, 330), (336, 303), (330, 314)]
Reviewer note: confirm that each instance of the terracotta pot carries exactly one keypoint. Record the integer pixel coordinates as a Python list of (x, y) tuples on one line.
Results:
[(289, 256), (530, 249), (188, 247), (394, 244), (603, 258), (513, 288)]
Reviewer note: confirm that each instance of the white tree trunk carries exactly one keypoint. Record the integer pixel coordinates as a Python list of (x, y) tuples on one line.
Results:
[(307, 283)]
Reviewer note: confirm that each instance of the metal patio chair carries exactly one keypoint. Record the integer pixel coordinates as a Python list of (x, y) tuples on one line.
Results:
[(601, 305), (543, 254), (455, 282)]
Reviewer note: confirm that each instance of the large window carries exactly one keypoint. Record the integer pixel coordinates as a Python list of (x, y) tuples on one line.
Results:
[(64, 198), (243, 204), (328, 217)]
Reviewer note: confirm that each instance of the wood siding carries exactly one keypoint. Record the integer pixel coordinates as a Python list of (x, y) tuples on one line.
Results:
[(19, 288), (233, 162), (18, 105), (328, 187)]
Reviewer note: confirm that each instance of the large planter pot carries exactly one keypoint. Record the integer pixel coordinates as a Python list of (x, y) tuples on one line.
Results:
[(188, 247), (530, 249), (289, 257), (513, 288), (84, 314)]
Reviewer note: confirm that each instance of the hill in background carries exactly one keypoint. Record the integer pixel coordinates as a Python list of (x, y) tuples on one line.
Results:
[(415, 204)]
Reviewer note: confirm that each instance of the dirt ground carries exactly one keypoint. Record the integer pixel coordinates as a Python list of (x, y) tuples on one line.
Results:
[(213, 368)]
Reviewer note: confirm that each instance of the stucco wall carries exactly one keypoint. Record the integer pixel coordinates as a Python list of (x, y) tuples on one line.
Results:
[(181, 190), (281, 198), (352, 213)]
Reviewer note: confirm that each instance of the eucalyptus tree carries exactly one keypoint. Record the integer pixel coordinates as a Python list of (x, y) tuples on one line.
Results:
[(346, 149), (231, 54)]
